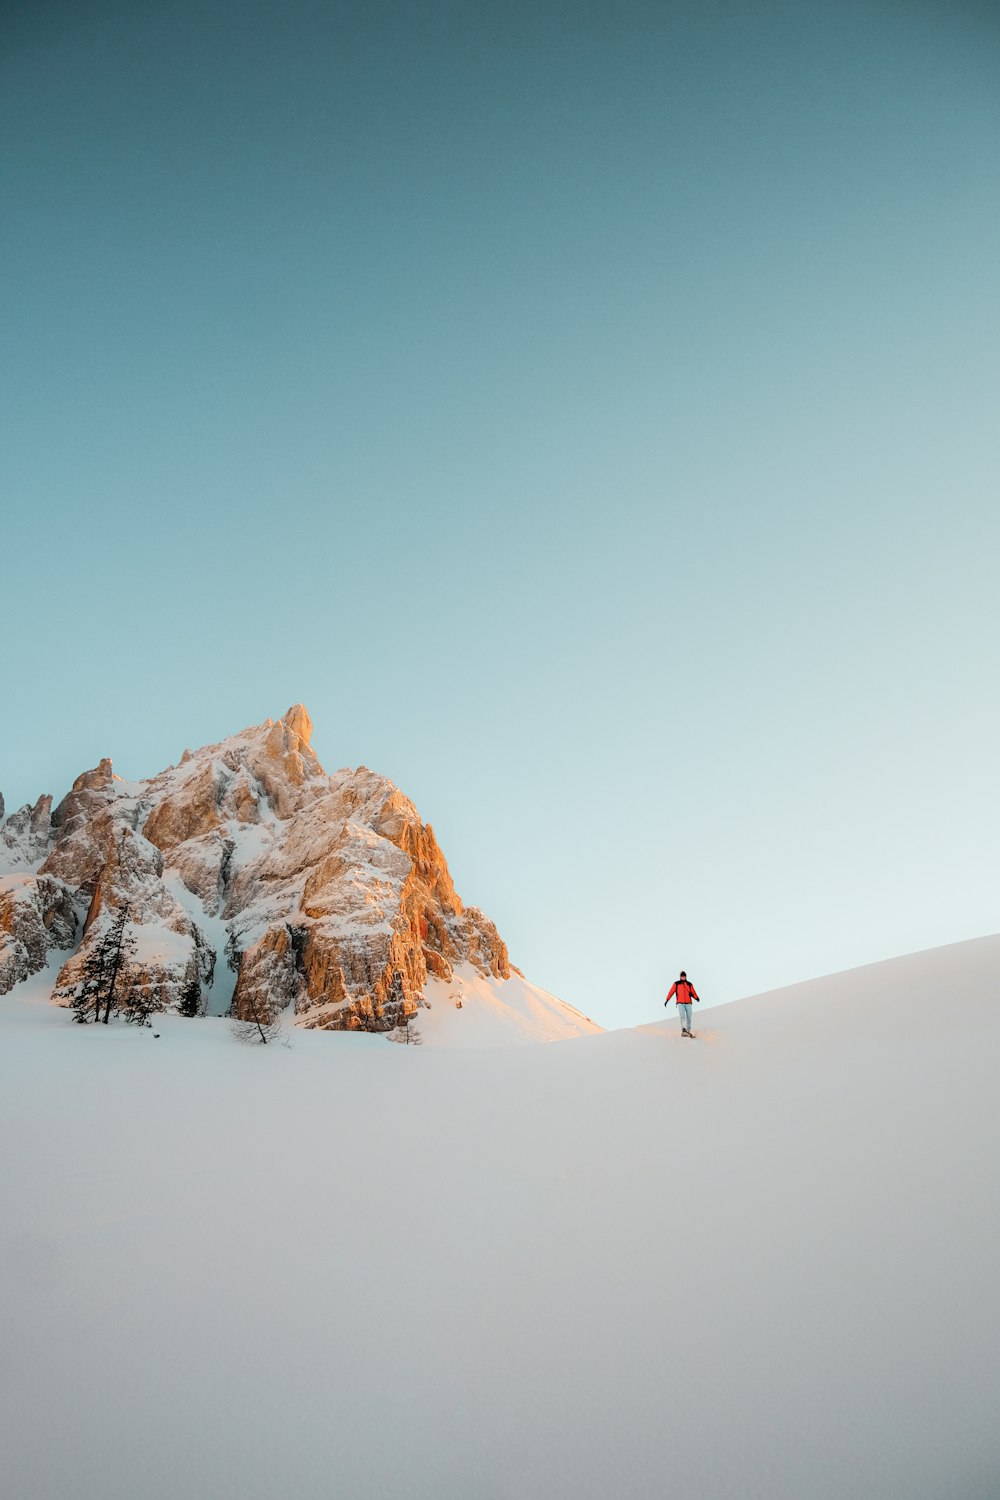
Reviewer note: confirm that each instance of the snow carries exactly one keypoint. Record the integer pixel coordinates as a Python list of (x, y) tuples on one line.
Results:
[(217, 997), (250, 840), (15, 862), (157, 944), (17, 857), (477, 1010), (761, 1265), (133, 790)]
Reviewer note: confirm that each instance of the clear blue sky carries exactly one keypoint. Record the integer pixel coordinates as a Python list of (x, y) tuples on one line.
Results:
[(590, 412)]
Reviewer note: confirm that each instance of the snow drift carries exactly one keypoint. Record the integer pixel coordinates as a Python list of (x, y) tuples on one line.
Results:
[(757, 1266)]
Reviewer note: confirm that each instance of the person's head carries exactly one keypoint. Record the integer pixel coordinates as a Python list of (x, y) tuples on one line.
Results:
[(684, 973)]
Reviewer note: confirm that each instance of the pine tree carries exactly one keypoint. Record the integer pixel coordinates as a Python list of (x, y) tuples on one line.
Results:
[(140, 1002), (190, 1001), (101, 984), (89, 992), (121, 946)]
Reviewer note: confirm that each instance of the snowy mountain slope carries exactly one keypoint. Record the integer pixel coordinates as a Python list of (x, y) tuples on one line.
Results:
[(757, 1266), (479, 1010)]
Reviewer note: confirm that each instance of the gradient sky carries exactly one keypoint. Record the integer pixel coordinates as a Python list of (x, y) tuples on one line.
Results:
[(590, 412)]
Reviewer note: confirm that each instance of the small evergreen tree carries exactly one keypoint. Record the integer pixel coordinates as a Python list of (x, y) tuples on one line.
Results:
[(140, 1002), (100, 988), (190, 1001), (88, 993)]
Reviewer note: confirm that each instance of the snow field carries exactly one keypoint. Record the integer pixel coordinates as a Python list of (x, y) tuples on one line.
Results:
[(760, 1264), (477, 1010)]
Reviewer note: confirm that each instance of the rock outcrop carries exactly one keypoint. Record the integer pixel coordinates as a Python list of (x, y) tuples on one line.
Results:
[(354, 909), (24, 838), (173, 958), (325, 894), (37, 914)]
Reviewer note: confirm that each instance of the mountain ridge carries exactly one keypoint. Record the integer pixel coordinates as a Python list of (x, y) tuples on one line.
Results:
[(334, 897)]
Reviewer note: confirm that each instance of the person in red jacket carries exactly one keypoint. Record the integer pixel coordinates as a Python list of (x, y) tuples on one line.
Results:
[(685, 992)]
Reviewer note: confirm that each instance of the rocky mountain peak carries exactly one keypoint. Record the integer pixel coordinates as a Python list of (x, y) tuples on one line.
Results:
[(251, 876), (299, 722)]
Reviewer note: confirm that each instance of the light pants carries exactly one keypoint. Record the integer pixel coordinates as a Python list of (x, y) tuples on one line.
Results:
[(685, 1011)]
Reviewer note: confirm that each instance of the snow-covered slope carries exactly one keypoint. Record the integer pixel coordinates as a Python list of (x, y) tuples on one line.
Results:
[(478, 1010), (757, 1266)]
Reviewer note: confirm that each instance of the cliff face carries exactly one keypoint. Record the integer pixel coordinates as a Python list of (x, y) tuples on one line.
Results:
[(245, 862), (36, 915)]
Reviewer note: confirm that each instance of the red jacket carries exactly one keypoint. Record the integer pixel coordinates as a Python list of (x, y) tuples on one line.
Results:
[(684, 990)]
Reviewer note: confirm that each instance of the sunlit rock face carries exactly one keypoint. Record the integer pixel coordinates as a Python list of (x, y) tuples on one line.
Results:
[(348, 911), (37, 914), (325, 894)]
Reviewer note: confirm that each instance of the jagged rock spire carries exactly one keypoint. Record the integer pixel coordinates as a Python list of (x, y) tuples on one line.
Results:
[(297, 718)]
